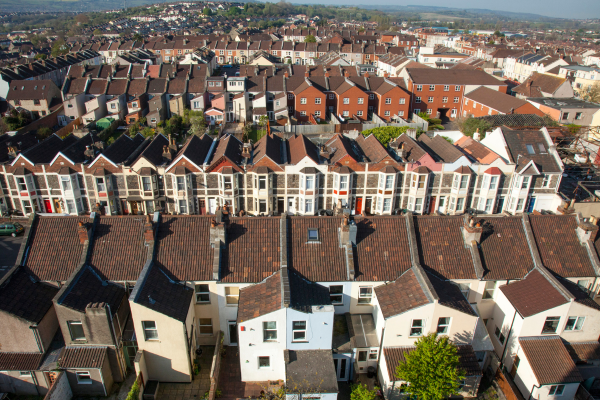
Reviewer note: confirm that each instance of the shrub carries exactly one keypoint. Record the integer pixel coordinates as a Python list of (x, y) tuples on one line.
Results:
[(134, 393), (385, 134)]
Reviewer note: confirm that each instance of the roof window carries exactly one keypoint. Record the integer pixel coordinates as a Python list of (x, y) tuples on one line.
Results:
[(530, 149), (542, 148), (313, 234)]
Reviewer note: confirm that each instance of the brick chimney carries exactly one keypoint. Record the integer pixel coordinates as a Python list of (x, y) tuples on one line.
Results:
[(528, 84), (167, 155), (218, 239), (386, 75), (477, 135), (587, 231), (148, 230), (327, 74), (307, 73), (366, 74), (286, 74), (347, 235), (346, 74), (83, 233), (324, 152), (471, 231), (89, 152), (412, 133)]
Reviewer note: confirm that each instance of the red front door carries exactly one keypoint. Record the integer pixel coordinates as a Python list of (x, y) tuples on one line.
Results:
[(358, 208), (432, 205), (48, 205)]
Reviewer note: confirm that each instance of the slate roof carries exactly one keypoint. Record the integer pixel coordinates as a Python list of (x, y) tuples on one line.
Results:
[(20, 361), (88, 287), (82, 357), (440, 149), (123, 148), (269, 146), (449, 295), (533, 294), (26, 140), (559, 368), (183, 247), (559, 247), (499, 235), (260, 299), (310, 371), (25, 298), (442, 248), (252, 250), (402, 295), (160, 293), (29, 90), (230, 147), (382, 252), (153, 153), (372, 148), (55, 250), (413, 149), (395, 355), (434, 76), (516, 120), (196, 149), (517, 141), (317, 262), (118, 250), (46, 150), (305, 294)]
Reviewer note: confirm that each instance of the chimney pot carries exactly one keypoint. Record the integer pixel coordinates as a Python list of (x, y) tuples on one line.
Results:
[(82, 233)]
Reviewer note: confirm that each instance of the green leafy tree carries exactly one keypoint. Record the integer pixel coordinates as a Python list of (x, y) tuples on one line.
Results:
[(59, 48), (206, 11), (310, 39), (360, 391), (468, 126), (233, 11), (138, 38), (197, 123), (40, 56), (432, 369), (385, 134)]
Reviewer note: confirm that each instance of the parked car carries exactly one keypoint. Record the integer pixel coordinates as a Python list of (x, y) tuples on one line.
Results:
[(13, 229)]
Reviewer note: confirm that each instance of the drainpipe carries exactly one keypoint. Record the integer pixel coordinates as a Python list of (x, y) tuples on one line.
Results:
[(507, 339)]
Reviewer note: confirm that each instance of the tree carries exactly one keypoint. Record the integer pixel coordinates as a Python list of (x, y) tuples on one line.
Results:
[(206, 11), (592, 93), (468, 126), (386, 133), (432, 369), (310, 39), (138, 37), (82, 18), (197, 123), (44, 132), (40, 56), (360, 391), (59, 48)]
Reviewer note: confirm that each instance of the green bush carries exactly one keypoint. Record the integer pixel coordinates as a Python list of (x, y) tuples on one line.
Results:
[(134, 393), (385, 134), (362, 392)]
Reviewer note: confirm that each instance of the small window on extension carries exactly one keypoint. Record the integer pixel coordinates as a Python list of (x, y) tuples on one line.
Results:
[(542, 148), (313, 234), (530, 149)]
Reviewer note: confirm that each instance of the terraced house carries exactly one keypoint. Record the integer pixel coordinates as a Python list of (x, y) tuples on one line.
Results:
[(275, 287)]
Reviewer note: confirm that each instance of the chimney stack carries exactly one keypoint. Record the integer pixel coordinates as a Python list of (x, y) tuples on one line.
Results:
[(403, 152), (471, 231), (167, 155), (587, 231), (218, 238), (12, 151), (89, 152), (148, 230), (346, 74), (83, 233), (324, 152), (172, 144), (347, 232), (246, 150), (412, 133), (286, 74), (306, 73), (476, 135)]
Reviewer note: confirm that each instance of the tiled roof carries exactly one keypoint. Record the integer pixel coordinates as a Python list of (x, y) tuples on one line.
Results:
[(537, 83), (118, 250), (497, 100), (413, 150), (154, 151), (579, 295), (559, 246), (371, 148), (400, 296), (475, 150), (304, 294), (299, 147), (533, 294), (382, 252), (583, 351), (20, 361), (260, 299), (196, 149), (55, 250), (88, 287), (230, 147), (395, 355), (45, 151), (517, 142), (269, 146), (24, 298), (183, 247), (559, 368), (82, 357), (442, 248), (252, 250), (160, 293), (449, 295), (431, 76), (502, 234), (516, 120), (440, 149), (318, 262), (30, 90)]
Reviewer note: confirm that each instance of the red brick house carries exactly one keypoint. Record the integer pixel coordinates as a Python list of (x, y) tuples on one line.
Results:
[(351, 101), (389, 99), (309, 101), (484, 101)]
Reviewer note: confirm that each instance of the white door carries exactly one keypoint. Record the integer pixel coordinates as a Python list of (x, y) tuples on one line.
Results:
[(291, 207), (442, 205), (212, 206)]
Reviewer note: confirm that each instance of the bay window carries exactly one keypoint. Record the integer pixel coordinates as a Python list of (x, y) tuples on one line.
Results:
[(308, 206), (65, 182), (146, 183), (180, 183), (493, 183), (387, 205), (386, 182), (418, 181), (460, 181), (22, 184)]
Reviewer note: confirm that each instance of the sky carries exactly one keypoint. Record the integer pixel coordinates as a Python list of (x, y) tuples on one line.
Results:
[(550, 8)]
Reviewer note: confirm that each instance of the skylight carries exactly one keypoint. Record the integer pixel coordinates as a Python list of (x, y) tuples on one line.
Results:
[(530, 149), (313, 234)]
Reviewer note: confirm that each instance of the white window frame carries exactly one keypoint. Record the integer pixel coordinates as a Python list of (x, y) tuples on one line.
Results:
[(556, 390), (445, 325), (334, 295), (365, 295), (299, 330), (415, 327), (146, 327), (268, 361), (268, 329), (577, 326), (200, 325), (71, 323), (87, 381), (232, 295), (199, 293)]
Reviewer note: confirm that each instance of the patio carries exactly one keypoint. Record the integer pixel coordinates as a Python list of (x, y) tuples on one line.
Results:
[(199, 385)]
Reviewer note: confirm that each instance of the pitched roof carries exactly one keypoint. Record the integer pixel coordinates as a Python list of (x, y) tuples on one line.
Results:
[(402, 295), (82, 357), (475, 150), (372, 148), (89, 288), (434, 76), (559, 368), (252, 250), (468, 361), (533, 294), (24, 297), (196, 149), (230, 147), (30, 90), (260, 299), (123, 148), (160, 293), (583, 351), (517, 142), (497, 100), (500, 234), (382, 252), (183, 247), (559, 247), (440, 149), (20, 361), (300, 146), (269, 146), (537, 83), (441, 247)]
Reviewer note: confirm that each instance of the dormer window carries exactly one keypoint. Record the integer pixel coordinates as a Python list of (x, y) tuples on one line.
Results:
[(313, 235)]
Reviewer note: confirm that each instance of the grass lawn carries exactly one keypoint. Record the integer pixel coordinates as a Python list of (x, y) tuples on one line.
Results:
[(256, 134)]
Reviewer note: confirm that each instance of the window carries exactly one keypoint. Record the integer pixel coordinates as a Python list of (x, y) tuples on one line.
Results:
[(303, 100), (310, 182), (417, 99), (578, 115), (182, 207), (180, 183), (419, 88), (205, 326), (446, 88), (331, 96), (361, 100), (269, 331), (360, 113), (584, 284), (530, 149), (232, 294), (303, 113), (317, 100), (313, 235), (443, 325), (71, 207), (457, 88), (76, 330), (431, 88), (336, 295), (488, 293), (298, 331), (317, 113), (308, 205), (488, 205), (387, 205), (373, 354), (464, 287), (550, 325), (371, 96), (429, 111), (202, 293), (346, 100), (574, 323), (65, 180), (264, 362), (402, 101), (430, 99), (290, 96), (444, 99), (418, 181), (83, 378), (565, 115), (387, 113), (150, 331), (493, 183), (525, 182), (27, 206), (556, 390), (25, 374), (388, 100), (499, 335), (365, 293), (416, 327), (146, 183), (456, 99)]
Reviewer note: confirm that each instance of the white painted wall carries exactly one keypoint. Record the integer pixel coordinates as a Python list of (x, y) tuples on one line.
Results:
[(319, 328), (227, 312)]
